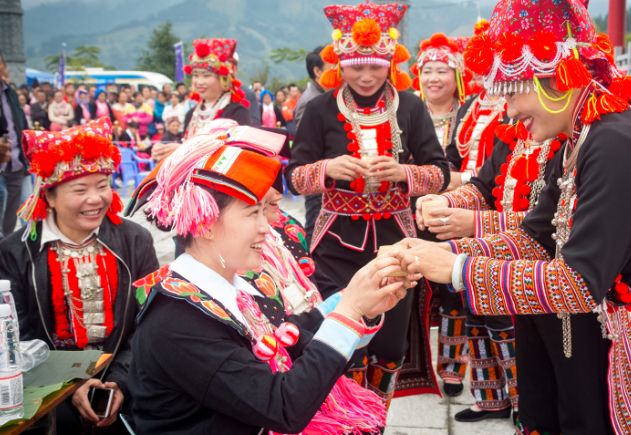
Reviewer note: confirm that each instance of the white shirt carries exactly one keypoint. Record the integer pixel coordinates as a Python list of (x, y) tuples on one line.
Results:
[(213, 284)]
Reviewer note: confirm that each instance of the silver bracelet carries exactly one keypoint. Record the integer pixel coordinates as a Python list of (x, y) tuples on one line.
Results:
[(456, 273)]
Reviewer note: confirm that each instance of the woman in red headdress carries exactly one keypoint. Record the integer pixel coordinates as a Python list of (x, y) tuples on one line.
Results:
[(367, 148), (72, 267), (215, 88), (565, 272)]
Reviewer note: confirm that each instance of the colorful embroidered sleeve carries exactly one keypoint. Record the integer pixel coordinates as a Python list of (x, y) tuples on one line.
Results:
[(498, 287), (467, 197), (492, 222), (423, 179), (511, 245), (310, 179)]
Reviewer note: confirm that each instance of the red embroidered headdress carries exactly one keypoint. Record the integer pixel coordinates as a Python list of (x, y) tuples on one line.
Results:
[(57, 157), (218, 56), (440, 48), (365, 34), (529, 40)]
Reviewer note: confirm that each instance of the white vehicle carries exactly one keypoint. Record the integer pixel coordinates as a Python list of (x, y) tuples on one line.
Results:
[(101, 77)]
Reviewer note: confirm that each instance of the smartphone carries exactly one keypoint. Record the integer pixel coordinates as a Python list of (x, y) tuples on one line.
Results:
[(101, 401)]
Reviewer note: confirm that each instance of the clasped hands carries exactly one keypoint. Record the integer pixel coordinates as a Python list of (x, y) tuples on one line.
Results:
[(433, 213), (380, 168)]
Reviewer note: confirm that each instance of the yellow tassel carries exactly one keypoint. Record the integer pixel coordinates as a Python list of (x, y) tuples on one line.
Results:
[(541, 93), (462, 93), (401, 54)]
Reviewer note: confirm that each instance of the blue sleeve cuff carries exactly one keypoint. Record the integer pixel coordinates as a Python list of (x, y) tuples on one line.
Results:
[(329, 304), (339, 337)]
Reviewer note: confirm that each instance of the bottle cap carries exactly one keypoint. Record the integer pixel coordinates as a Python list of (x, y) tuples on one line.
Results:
[(5, 310), (5, 285)]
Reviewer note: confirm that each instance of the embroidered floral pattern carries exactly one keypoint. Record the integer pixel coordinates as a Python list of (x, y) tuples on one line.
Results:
[(511, 245), (309, 179), (490, 222), (467, 197), (424, 179)]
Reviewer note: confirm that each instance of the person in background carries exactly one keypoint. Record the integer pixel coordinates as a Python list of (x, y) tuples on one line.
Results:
[(289, 106), (82, 108), (173, 131), (167, 88), (141, 115), (175, 108), (271, 116), (280, 98), (26, 108), (159, 134), (39, 110), (158, 106), (60, 112), (112, 97), (69, 93), (100, 108), (12, 162), (315, 67)]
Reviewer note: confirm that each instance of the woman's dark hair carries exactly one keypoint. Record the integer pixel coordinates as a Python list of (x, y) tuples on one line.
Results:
[(222, 200)]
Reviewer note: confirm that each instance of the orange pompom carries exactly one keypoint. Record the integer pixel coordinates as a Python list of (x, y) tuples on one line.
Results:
[(603, 44), (414, 70), (543, 45), (401, 80), (328, 55), (509, 46), (572, 74), (366, 32), (401, 54), (331, 78)]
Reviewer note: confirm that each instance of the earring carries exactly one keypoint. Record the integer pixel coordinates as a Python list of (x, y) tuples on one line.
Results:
[(222, 261)]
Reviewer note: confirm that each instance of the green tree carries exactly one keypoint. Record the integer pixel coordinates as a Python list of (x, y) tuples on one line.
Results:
[(159, 55), (83, 56), (285, 54)]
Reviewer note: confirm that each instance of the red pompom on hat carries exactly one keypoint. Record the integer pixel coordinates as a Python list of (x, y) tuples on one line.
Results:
[(57, 157), (214, 54)]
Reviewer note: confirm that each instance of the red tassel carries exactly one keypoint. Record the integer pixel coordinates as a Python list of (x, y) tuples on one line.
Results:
[(115, 208), (621, 87), (416, 84), (40, 211), (401, 54), (572, 74), (328, 55)]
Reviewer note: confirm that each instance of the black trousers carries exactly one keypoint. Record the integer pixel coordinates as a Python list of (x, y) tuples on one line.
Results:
[(557, 394), (14, 182)]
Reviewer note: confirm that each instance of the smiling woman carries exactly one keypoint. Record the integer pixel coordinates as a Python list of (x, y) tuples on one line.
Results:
[(72, 267)]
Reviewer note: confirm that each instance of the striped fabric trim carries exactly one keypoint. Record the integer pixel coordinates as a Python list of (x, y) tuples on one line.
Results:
[(498, 287), (467, 197), (510, 245), (364, 60), (225, 185), (310, 179), (492, 222), (423, 180)]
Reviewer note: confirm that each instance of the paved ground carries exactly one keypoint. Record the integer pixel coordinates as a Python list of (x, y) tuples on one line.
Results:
[(416, 415)]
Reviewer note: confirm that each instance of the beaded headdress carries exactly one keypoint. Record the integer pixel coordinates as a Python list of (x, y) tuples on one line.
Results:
[(365, 34)]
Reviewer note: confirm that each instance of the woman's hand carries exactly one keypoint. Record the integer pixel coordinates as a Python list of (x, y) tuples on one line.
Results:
[(370, 292), (452, 223), (384, 168), (346, 168), (434, 199), (81, 401), (431, 260)]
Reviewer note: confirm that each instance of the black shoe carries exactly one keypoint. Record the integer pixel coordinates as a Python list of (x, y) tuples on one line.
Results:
[(452, 390), (468, 415), (516, 421)]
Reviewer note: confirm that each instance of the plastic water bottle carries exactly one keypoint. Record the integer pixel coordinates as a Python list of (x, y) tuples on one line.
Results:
[(34, 353), (11, 389), (6, 297)]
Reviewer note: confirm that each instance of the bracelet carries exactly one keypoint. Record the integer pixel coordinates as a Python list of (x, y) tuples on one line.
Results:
[(456, 273)]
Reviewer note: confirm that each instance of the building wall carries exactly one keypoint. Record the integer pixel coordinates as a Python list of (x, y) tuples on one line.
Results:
[(12, 38)]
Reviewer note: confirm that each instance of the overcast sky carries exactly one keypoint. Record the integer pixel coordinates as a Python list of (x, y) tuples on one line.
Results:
[(596, 7)]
